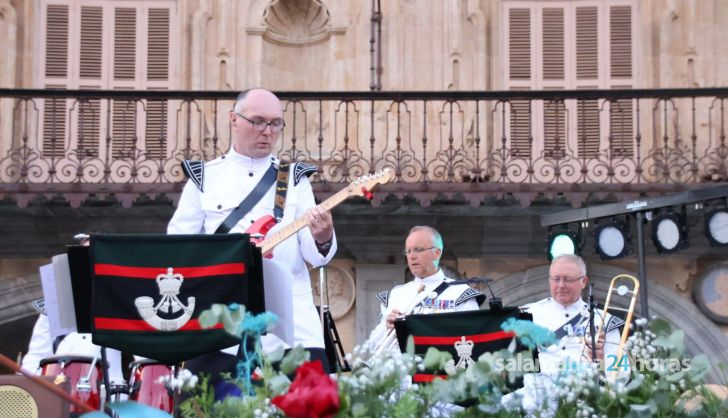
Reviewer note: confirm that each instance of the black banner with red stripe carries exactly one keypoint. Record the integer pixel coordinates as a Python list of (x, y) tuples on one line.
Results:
[(149, 290), (480, 331)]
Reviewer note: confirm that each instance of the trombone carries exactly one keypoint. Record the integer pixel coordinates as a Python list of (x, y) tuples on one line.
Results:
[(624, 285)]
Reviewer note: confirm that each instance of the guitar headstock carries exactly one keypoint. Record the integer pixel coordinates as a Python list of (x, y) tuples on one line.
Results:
[(366, 183)]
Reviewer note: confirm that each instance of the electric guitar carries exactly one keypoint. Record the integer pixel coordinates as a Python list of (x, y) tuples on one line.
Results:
[(360, 187)]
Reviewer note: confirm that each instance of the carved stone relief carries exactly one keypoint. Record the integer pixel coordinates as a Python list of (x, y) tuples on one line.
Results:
[(341, 290), (296, 22)]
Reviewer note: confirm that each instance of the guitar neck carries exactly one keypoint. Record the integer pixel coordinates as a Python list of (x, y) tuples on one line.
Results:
[(271, 240)]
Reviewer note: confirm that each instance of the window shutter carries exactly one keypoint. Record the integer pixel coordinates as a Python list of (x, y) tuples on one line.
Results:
[(621, 116), (88, 117), (124, 117), (587, 135), (54, 125), (156, 129), (158, 45), (56, 59), (91, 36), (553, 43), (587, 45), (88, 112), (158, 39), (123, 133), (621, 127), (521, 128), (519, 43), (554, 126), (56, 67), (124, 43), (620, 41)]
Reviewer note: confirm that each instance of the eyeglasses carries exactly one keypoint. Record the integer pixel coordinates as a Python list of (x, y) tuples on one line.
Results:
[(566, 280), (260, 125), (416, 250)]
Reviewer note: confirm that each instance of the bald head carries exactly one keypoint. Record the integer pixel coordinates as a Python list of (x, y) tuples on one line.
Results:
[(255, 105)]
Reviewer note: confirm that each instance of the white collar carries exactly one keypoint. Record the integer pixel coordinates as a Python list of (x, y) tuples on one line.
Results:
[(436, 278), (574, 307), (251, 164)]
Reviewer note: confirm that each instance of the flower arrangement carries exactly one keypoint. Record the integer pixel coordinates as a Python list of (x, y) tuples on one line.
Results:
[(662, 381)]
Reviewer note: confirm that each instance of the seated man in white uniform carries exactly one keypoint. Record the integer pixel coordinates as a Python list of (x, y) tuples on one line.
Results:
[(567, 315), (428, 292), (73, 344)]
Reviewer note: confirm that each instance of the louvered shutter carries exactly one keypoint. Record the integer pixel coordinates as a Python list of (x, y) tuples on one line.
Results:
[(587, 132), (519, 57), (521, 129), (621, 112), (554, 128), (587, 76), (124, 112), (158, 43), (587, 43), (620, 42), (519, 51), (553, 43), (88, 115), (553, 78), (55, 77)]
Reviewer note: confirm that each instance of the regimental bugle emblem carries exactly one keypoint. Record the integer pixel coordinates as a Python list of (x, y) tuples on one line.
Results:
[(169, 285)]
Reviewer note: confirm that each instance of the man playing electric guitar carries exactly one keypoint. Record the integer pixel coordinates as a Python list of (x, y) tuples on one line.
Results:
[(213, 201)]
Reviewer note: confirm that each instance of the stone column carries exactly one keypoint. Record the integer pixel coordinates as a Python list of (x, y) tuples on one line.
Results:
[(8, 32), (370, 280)]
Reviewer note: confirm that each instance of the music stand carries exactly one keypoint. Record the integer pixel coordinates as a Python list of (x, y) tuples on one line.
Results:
[(466, 334), (148, 291)]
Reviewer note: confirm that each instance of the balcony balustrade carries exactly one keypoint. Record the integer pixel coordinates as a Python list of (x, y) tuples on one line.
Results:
[(473, 144)]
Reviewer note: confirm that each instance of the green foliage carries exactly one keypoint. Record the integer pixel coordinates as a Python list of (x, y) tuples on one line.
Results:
[(661, 382)]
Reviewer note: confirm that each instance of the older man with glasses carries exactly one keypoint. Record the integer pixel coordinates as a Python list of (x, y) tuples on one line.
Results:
[(428, 292), (216, 189), (567, 315)]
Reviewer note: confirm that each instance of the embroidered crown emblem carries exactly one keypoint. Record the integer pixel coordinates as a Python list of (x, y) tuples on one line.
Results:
[(169, 283)]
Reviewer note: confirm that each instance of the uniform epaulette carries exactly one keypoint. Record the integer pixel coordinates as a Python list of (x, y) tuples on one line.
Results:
[(39, 305), (383, 297), (468, 294), (195, 171), (302, 169), (614, 323)]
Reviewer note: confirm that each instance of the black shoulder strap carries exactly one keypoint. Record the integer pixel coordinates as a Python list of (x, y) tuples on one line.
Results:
[(250, 200), (561, 332)]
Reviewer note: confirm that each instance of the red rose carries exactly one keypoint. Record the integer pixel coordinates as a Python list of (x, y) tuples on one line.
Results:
[(313, 394)]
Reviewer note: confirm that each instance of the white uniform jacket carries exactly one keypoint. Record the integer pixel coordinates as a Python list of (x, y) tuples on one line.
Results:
[(571, 325), (407, 299), (73, 344), (227, 180)]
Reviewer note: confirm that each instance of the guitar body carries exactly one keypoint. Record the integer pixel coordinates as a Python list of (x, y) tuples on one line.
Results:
[(259, 229)]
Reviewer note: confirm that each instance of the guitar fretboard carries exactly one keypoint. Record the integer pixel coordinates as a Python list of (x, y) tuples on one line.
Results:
[(271, 240)]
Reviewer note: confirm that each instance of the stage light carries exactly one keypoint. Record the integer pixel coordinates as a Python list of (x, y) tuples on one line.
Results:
[(669, 233), (612, 239), (716, 227), (562, 242)]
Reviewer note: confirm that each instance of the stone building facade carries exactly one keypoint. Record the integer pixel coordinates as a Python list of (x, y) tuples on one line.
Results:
[(359, 46)]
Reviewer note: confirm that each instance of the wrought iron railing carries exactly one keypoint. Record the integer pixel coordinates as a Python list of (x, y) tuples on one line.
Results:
[(476, 144)]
